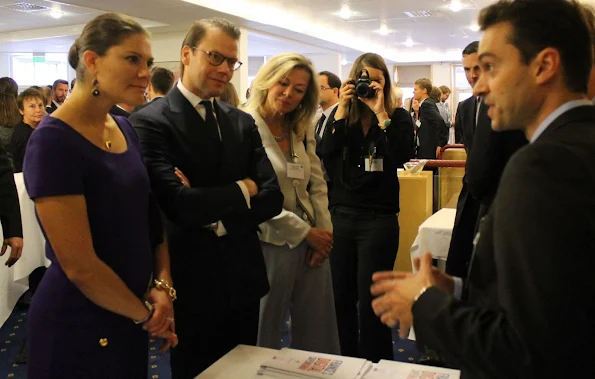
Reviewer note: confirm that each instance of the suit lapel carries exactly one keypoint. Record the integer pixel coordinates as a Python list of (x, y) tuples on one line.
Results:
[(482, 116), (229, 141), (183, 116), (583, 113)]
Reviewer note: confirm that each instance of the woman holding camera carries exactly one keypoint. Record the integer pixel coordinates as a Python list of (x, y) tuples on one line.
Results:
[(366, 144)]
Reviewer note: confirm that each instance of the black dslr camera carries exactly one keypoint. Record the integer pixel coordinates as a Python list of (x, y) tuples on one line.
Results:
[(362, 86)]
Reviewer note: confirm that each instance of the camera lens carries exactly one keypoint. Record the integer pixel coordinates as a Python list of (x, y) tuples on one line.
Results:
[(362, 89)]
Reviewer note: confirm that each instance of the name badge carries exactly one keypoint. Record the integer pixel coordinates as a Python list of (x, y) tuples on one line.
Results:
[(418, 123), (377, 165), (295, 171)]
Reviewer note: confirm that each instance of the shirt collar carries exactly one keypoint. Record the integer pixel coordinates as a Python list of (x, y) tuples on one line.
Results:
[(330, 110), (191, 97), (557, 113)]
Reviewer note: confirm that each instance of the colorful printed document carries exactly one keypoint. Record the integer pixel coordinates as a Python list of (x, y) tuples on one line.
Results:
[(399, 370), (290, 363)]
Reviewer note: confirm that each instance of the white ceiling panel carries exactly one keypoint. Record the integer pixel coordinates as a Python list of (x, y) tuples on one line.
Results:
[(435, 32)]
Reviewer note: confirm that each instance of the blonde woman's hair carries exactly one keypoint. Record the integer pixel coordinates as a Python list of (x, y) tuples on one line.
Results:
[(273, 71), (230, 95)]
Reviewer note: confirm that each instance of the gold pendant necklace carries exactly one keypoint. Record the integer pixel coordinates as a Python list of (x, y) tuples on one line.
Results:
[(108, 141)]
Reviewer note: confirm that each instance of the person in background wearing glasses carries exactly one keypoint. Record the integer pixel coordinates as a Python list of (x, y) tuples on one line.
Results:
[(215, 185)]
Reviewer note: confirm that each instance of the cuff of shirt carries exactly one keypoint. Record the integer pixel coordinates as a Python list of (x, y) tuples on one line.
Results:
[(220, 230), (458, 293), (245, 191)]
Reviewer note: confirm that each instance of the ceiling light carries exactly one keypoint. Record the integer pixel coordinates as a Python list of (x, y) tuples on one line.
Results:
[(455, 6), (56, 14), (345, 12), (474, 28), (344, 62), (409, 42), (383, 31)]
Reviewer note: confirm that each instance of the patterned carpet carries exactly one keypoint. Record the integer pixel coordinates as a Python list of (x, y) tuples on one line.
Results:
[(13, 332)]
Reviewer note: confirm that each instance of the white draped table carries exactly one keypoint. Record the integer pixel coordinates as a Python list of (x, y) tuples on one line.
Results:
[(14, 281), (434, 235)]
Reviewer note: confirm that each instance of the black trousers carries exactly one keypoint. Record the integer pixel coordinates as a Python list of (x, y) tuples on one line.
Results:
[(206, 335), (364, 242)]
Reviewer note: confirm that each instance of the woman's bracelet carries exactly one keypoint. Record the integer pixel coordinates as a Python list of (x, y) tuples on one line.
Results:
[(163, 285), (376, 113), (151, 309)]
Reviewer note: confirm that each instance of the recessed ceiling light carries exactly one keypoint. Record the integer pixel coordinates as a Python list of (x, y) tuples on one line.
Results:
[(455, 6), (56, 14), (409, 42), (474, 27), (345, 13), (344, 62), (384, 30)]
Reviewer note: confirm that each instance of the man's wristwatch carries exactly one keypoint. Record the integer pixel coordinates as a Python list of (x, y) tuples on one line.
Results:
[(151, 309)]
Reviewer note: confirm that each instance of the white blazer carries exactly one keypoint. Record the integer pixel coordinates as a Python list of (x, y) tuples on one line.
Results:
[(288, 227)]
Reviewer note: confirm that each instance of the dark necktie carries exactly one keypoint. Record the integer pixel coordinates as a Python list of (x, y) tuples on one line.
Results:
[(319, 126), (210, 121)]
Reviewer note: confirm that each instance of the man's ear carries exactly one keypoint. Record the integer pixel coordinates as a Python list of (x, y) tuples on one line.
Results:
[(546, 65)]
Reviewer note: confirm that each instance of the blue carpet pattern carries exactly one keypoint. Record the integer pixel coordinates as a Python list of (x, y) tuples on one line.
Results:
[(13, 332)]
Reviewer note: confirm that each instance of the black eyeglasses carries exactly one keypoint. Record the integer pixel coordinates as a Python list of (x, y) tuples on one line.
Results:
[(217, 59)]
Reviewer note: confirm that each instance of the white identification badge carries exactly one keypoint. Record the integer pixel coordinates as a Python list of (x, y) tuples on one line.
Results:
[(418, 123), (295, 171), (377, 165)]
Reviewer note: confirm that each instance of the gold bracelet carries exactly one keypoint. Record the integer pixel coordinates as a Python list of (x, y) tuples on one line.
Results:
[(161, 284)]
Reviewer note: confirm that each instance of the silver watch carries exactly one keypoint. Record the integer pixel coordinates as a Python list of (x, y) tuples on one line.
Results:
[(151, 309)]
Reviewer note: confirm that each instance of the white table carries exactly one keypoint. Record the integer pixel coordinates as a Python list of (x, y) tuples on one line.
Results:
[(434, 235), (13, 281), (244, 361)]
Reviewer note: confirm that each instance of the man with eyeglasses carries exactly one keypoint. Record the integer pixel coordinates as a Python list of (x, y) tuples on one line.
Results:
[(214, 183)]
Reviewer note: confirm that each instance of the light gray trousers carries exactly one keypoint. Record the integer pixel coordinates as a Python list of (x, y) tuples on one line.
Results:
[(307, 293)]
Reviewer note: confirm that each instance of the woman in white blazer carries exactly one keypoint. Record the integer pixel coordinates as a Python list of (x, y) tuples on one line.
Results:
[(296, 243)]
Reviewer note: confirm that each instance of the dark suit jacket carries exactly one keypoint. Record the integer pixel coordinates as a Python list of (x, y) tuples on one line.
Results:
[(486, 163), (139, 107), (319, 140), (20, 137), (402, 120), (530, 311), (208, 269), (488, 152), (51, 108), (463, 232), (433, 131), (10, 211), (465, 122), (116, 110)]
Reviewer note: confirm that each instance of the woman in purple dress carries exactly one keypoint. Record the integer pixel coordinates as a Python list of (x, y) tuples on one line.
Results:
[(109, 282)]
